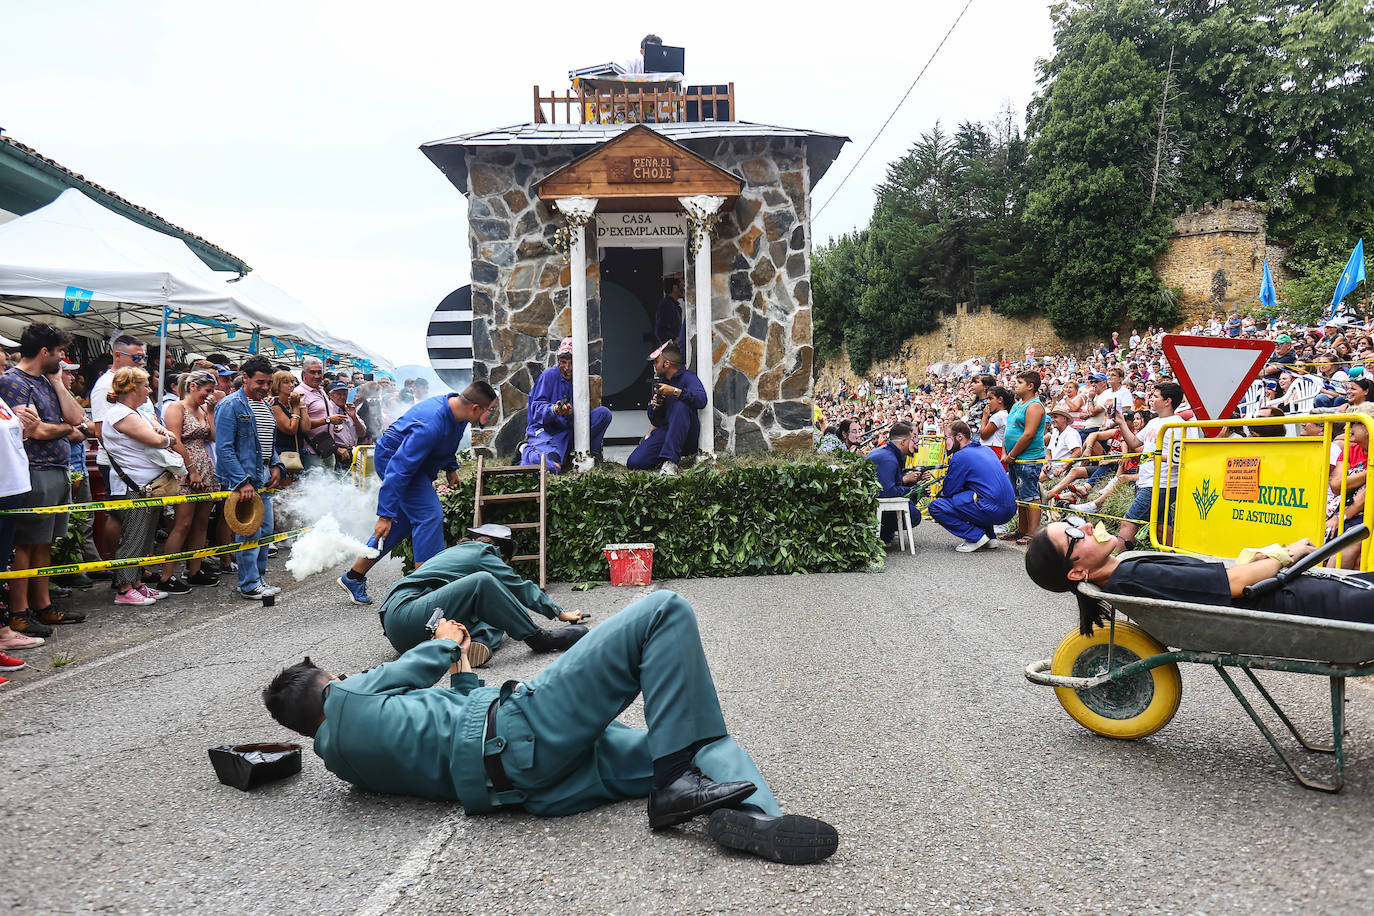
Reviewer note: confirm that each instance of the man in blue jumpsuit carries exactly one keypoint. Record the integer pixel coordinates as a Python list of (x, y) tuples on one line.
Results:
[(473, 585), (976, 493), (889, 460), (410, 454), (675, 427), (550, 430), (553, 744)]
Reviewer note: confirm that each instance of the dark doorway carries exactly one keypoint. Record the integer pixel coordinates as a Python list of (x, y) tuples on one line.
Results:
[(631, 285)]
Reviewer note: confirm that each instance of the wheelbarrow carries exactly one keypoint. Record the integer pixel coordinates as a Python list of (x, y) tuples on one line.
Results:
[(1123, 680)]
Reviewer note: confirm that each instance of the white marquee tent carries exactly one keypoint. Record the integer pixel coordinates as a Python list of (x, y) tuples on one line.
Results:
[(90, 271)]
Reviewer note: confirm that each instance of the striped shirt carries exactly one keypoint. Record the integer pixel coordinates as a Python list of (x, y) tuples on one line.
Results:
[(267, 427)]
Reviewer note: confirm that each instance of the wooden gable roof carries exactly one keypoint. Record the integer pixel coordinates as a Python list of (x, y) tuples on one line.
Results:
[(640, 170)]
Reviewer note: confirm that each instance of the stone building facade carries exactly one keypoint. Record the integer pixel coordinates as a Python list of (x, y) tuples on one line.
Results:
[(760, 295)]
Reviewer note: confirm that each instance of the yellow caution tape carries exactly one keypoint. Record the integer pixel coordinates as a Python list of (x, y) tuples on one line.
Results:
[(142, 502), (1068, 511), (73, 568), (1048, 460)]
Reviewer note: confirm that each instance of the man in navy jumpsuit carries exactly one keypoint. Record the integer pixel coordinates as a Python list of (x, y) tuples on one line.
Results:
[(410, 454), (889, 460), (550, 430), (553, 744), (672, 415), (976, 493)]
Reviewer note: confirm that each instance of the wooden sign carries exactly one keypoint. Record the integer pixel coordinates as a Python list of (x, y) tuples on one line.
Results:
[(640, 169)]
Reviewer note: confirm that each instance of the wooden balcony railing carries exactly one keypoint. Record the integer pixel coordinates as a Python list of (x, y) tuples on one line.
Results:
[(636, 105)]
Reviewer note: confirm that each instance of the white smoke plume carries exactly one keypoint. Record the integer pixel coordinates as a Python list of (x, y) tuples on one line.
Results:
[(342, 517)]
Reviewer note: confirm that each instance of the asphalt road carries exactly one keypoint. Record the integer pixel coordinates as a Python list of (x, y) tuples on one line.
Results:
[(892, 704)]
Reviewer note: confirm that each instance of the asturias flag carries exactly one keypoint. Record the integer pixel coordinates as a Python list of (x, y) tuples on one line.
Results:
[(1267, 296), (1352, 276)]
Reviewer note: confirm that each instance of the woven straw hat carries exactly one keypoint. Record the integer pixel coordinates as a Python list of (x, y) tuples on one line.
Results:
[(244, 517)]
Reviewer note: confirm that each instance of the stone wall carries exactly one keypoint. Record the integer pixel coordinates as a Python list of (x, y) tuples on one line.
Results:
[(1216, 256), (967, 333), (760, 297)]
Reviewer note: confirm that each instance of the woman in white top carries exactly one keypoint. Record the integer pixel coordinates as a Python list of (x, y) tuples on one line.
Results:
[(15, 424), (130, 441), (994, 428)]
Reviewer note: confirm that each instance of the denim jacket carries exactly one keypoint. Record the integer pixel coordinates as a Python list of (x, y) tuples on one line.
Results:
[(238, 455)]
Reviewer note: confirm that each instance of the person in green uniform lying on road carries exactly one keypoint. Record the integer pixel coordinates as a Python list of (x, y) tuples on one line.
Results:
[(553, 744), (472, 584)]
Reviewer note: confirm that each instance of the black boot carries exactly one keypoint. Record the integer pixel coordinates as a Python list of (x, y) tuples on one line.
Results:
[(556, 640)]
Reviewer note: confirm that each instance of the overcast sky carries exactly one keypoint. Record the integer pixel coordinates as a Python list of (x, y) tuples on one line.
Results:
[(288, 132)]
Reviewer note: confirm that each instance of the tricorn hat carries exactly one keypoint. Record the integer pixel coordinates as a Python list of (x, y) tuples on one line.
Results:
[(244, 517), (499, 535)]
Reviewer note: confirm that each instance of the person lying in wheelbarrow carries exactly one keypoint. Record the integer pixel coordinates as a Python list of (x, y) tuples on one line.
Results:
[(1062, 554)]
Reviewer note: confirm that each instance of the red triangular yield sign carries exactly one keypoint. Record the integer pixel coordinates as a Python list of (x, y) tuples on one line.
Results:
[(1215, 371)]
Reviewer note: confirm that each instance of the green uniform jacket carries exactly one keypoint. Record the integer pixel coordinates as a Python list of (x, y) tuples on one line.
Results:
[(454, 563), (385, 731)]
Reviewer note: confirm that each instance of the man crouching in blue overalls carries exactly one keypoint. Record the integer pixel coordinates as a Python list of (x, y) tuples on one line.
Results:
[(976, 492), (675, 427), (410, 454), (553, 744)]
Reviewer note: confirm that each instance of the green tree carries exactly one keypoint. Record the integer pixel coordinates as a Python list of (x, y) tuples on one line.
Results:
[(1275, 103), (839, 274), (1092, 129)]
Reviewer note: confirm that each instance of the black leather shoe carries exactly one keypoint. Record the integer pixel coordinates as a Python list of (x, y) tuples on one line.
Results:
[(556, 640), (791, 839), (76, 580), (692, 795)]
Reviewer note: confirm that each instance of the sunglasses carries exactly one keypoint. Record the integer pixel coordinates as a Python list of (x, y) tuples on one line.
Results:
[(1075, 534), (133, 357)]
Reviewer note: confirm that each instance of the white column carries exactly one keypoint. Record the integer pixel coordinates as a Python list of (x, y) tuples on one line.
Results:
[(702, 206), (578, 210)]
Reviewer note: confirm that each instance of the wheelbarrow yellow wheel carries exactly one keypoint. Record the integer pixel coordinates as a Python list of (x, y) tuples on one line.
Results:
[(1131, 707)]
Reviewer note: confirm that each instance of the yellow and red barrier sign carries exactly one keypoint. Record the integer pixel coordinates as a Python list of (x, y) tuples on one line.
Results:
[(1236, 492)]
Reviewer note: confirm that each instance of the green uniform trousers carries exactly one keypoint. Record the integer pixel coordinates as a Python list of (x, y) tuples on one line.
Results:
[(564, 748), (478, 601)]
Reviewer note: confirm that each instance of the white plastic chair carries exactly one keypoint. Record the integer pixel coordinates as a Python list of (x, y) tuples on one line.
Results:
[(902, 506), (1254, 399), (1302, 394)]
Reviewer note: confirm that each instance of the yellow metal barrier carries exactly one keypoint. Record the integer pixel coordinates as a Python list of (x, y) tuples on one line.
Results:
[(362, 466), (1235, 493)]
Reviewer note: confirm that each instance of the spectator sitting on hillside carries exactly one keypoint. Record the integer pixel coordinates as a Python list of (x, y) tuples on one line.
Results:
[(1065, 448)]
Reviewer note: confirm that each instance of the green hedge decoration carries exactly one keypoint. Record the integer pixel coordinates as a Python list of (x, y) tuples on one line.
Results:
[(793, 513)]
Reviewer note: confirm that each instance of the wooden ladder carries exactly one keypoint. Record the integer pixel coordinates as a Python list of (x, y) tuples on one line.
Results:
[(482, 499)]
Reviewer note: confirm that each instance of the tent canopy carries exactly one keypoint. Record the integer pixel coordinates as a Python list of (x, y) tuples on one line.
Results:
[(91, 271)]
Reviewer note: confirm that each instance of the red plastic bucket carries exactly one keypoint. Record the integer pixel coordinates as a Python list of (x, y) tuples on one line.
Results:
[(631, 564)]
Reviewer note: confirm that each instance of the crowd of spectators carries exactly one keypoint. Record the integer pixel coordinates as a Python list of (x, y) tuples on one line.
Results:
[(1073, 430), (120, 428)]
